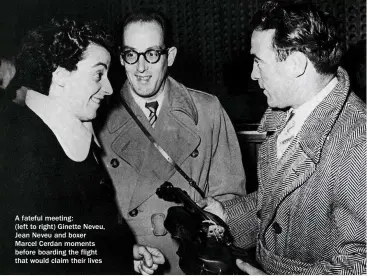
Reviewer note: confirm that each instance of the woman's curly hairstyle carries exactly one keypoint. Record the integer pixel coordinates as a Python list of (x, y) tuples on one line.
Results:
[(57, 44)]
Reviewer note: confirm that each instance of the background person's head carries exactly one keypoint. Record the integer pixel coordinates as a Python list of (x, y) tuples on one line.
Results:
[(68, 61), (146, 52), (7, 72), (290, 43)]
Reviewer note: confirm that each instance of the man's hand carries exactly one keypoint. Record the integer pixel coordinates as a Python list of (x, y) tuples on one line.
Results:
[(249, 269), (146, 259), (213, 206)]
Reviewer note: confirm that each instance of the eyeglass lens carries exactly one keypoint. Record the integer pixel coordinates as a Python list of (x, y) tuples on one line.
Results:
[(152, 56)]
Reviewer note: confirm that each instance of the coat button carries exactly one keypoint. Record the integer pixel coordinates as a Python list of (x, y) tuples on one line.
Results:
[(114, 163), (269, 133), (133, 213), (258, 214), (277, 228), (195, 153)]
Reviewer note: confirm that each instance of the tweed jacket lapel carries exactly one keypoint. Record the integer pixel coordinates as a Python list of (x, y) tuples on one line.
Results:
[(175, 131), (300, 160), (290, 172)]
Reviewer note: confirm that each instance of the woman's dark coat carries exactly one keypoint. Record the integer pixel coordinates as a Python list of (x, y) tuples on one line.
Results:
[(37, 178)]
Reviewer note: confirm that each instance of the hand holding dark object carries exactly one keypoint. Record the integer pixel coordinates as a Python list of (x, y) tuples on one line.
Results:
[(213, 206), (205, 240)]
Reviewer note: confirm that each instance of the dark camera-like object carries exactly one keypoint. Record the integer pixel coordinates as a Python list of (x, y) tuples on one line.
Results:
[(205, 241)]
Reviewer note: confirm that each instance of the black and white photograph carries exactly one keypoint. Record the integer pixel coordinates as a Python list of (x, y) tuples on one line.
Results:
[(172, 137)]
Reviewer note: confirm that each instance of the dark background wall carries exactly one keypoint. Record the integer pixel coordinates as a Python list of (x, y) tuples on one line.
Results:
[(211, 36), (213, 45)]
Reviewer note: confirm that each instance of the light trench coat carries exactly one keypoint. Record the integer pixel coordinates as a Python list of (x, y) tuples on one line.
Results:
[(194, 129)]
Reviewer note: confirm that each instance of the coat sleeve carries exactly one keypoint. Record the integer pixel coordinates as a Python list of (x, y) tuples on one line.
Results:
[(349, 214), (227, 176), (242, 220)]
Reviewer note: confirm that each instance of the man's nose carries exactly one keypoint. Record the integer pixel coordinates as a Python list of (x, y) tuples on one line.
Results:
[(255, 72), (107, 88), (142, 63)]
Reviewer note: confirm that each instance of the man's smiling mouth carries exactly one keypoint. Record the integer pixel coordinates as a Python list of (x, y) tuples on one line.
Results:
[(143, 78)]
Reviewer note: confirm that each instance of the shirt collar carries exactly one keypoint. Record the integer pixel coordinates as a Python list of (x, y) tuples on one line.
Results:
[(73, 135), (142, 101), (177, 98), (315, 100), (302, 112)]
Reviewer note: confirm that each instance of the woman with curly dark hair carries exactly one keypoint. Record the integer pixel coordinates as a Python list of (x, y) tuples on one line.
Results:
[(49, 169)]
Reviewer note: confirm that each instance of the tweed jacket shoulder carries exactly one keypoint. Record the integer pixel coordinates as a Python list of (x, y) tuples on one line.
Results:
[(309, 213), (37, 178)]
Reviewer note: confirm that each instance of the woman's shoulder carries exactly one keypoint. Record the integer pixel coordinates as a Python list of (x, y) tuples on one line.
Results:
[(21, 127), (14, 114), (29, 150), (15, 117)]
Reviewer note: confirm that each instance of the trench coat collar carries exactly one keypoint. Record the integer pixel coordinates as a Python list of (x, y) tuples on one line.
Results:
[(178, 100), (175, 131), (318, 125)]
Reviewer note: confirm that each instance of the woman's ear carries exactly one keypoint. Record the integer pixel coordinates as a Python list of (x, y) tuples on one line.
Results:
[(120, 56), (60, 75), (172, 52)]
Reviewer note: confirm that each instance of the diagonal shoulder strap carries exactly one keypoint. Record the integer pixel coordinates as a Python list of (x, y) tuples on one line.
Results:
[(191, 182)]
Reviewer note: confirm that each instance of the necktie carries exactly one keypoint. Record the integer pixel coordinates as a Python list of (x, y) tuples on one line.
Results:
[(152, 107), (286, 136)]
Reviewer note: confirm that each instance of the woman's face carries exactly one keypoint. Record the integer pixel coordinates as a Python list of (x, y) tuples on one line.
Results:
[(85, 87)]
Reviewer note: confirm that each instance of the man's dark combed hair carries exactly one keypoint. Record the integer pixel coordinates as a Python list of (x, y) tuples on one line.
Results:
[(301, 27), (61, 43), (151, 15)]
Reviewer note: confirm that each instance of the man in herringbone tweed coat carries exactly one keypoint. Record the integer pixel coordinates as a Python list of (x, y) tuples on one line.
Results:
[(309, 213)]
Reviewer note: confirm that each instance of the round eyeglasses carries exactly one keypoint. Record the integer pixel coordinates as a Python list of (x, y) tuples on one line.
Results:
[(151, 55)]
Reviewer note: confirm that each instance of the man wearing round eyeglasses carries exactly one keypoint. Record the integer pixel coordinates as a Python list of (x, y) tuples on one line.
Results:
[(191, 126)]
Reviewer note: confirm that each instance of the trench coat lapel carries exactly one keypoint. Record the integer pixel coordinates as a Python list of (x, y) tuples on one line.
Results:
[(130, 144), (175, 132)]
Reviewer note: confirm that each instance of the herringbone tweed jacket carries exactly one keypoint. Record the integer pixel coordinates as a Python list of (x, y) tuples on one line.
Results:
[(309, 213)]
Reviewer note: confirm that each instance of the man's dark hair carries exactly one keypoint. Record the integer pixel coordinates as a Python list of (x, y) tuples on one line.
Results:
[(61, 43), (150, 15), (301, 27)]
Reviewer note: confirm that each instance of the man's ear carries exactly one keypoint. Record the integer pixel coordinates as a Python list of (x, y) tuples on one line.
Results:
[(296, 64), (172, 52), (60, 75)]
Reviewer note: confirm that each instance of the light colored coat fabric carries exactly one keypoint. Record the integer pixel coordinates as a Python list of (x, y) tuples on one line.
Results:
[(190, 123), (309, 213)]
